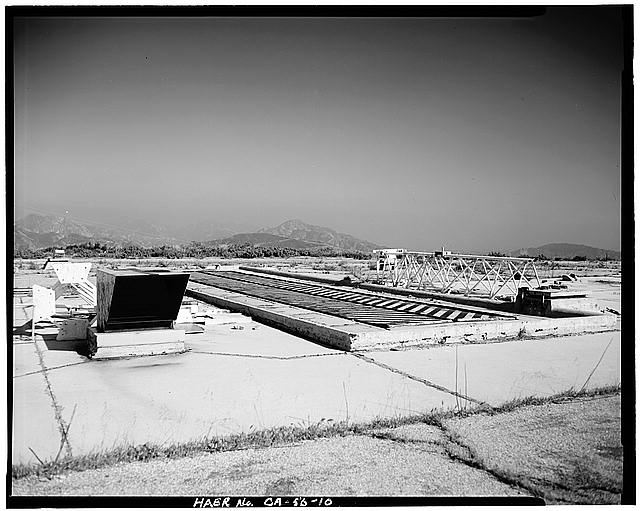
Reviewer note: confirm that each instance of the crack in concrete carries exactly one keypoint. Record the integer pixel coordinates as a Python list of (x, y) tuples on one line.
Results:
[(387, 436), (421, 380), (50, 369), (468, 459), (267, 357), (62, 426), (534, 486)]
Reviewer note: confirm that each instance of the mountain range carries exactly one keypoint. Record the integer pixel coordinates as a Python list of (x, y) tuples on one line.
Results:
[(567, 251), (316, 235), (37, 231), (41, 231)]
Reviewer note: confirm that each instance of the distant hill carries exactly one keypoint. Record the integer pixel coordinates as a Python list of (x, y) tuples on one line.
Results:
[(299, 230), (261, 239), (41, 231), (36, 231), (567, 251)]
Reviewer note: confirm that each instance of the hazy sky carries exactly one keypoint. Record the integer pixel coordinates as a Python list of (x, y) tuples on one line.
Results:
[(478, 134)]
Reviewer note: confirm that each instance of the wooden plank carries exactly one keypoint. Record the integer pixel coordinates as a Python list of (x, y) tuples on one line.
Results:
[(106, 282)]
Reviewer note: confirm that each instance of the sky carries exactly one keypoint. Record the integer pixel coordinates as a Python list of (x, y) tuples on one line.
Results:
[(477, 133)]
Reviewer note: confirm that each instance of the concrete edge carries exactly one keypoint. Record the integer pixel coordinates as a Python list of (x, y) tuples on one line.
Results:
[(139, 350), (360, 337), (483, 331), (345, 281), (484, 303), (323, 334)]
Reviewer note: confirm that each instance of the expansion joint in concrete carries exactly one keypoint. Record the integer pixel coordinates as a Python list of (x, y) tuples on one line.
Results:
[(421, 380), (63, 427), (268, 357)]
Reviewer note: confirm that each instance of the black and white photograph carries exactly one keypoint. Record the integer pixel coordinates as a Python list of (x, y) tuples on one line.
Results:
[(282, 256)]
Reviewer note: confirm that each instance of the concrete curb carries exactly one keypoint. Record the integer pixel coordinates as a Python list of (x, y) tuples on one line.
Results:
[(352, 336), (345, 281)]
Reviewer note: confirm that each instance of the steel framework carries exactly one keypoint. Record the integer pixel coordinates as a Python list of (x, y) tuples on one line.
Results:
[(456, 273)]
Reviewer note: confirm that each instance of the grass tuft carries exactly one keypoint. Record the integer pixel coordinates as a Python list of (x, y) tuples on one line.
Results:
[(566, 395)]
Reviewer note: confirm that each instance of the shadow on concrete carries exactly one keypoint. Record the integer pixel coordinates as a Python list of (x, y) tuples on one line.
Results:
[(49, 337), (190, 328), (81, 347), (23, 329), (27, 328)]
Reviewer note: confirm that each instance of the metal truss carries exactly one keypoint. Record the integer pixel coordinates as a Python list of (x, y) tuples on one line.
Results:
[(456, 273)]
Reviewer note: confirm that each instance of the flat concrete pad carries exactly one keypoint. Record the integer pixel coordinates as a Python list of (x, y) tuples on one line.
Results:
[(25, 359), (34, 422), (178, 398), (499, 372), (56, 354), (253, 339)]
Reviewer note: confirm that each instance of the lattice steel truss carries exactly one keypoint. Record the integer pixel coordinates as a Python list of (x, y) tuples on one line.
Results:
[(460, 273)]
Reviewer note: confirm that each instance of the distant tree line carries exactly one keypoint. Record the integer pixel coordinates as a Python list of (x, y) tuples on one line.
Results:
[(192, 250), (542, 257)]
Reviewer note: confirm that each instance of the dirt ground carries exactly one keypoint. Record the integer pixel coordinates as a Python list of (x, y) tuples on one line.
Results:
[(564, 452)]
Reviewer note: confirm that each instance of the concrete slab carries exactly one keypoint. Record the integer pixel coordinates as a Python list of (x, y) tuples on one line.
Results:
[(255, 340), (226, 319), (127, 343), (22, 311), (499, 372), (26, 279), (34, 422), (605, 291), (60, 353), (185, 397), (285, 317), (357, 336), (327, 320), (137, 337), (25, 358)]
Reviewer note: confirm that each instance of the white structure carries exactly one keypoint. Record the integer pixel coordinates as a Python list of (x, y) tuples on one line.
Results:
[(44, 303), (445, 272), (77, 276)]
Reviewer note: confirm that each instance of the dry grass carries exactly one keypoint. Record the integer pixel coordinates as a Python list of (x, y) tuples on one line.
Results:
[(277, 436)]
